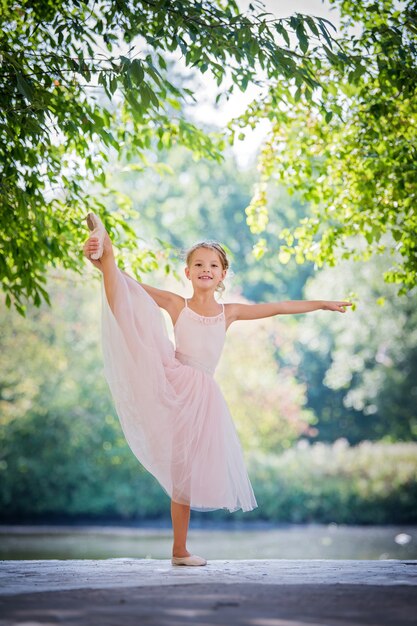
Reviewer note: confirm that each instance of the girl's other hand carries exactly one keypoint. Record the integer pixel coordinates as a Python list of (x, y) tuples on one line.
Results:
[(335, 305)]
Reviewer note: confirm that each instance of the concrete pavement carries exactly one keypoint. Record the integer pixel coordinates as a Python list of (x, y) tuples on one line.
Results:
[(116, 592)]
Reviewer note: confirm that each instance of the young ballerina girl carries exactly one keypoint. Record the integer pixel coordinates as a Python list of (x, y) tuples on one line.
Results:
[(171, 409)]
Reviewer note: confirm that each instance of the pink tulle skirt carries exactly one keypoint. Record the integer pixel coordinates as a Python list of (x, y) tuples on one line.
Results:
[(173, 415)]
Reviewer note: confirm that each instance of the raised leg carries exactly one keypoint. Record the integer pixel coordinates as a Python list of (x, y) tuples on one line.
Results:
[(110, 271)]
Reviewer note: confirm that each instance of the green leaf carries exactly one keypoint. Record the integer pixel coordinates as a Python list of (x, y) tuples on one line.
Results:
[(302, 39), (282, 31), (136, 71), (24, 87), (113, 84), (325, 32), (162, 62), (182, 44), (312, 25)]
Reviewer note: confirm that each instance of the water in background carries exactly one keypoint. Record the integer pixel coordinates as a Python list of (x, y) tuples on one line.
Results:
[(254, 541)]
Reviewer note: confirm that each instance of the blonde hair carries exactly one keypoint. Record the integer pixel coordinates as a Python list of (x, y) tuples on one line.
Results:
[(210, 245)]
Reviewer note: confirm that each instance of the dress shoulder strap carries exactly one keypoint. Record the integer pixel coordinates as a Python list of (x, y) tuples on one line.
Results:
[(186, 304), (222, 307)]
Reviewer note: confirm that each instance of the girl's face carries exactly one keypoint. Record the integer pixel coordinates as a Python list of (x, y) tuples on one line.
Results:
[(205, 269)]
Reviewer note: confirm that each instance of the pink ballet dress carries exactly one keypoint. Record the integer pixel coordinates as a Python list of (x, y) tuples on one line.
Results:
[(171, 409)]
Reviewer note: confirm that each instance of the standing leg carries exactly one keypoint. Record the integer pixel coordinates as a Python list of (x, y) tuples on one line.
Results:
[(181, 467), (180, 515)]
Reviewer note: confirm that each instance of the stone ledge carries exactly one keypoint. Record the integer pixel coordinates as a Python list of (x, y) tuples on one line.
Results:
[(22, 577)]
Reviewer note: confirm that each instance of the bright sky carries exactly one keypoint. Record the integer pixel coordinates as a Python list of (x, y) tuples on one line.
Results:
[(221, 115)]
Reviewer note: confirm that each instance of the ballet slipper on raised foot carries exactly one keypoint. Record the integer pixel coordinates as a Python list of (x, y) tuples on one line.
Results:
[(188, 560), (97, 229)]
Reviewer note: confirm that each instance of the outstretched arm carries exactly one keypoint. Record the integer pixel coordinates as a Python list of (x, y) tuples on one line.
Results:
[(268, 309)]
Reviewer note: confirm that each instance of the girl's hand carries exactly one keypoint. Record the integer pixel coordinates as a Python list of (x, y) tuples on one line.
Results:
[(89, 248), (335, 305)]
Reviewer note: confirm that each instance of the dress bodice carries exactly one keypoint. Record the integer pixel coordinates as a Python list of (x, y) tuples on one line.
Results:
[(199, 339)]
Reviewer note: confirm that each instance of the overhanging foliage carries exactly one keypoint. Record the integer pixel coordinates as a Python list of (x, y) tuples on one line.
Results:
[(351, 153), (82, 82)]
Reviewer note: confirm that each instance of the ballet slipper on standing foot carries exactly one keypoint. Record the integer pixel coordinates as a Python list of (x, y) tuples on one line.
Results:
[(97, 229), (188, 560)]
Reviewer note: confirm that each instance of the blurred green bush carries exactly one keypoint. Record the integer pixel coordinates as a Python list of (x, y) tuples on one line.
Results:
[(371, 483)]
